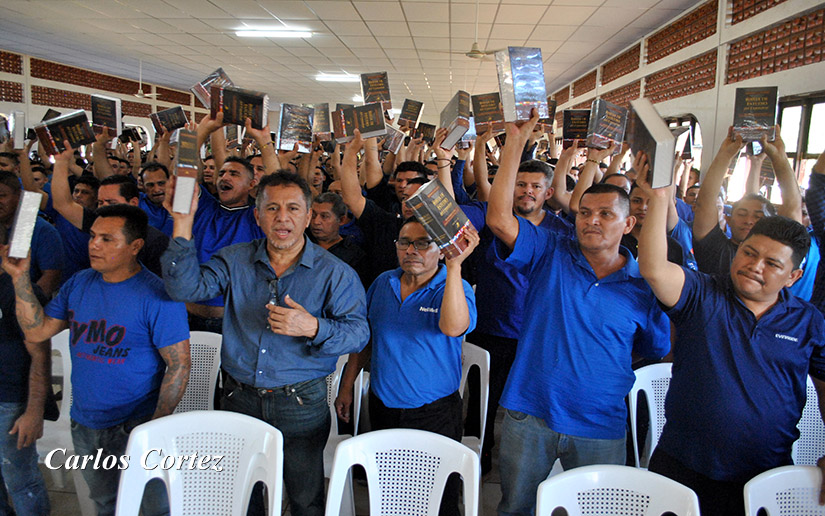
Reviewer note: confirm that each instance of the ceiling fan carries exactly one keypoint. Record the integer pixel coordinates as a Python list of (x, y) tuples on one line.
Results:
[(475, 51), (140, 93)]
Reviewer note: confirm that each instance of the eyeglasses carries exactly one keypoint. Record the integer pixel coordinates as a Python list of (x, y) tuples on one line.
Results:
[(404, 244)]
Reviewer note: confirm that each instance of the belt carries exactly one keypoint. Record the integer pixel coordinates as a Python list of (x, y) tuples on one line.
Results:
[(262, 392)]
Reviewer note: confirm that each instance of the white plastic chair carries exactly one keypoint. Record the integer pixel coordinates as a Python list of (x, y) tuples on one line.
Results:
[(785, 491), (333, 383), (205, 350), (609, 490), (653, 381), (252, 452), (472, 355), (406, 471), (58, 434), (811, 443)]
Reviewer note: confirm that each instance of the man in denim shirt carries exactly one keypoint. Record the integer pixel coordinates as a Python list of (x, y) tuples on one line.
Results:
[(291, 310)]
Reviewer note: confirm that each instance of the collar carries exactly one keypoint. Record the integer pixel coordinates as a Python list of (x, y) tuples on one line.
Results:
[(784, 303), (629, 270), (307, 258), (439, 278)]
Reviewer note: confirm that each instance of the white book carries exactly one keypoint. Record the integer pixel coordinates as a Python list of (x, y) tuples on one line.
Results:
[(22, 229)]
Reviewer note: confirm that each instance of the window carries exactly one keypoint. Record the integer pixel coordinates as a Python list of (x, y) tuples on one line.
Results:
[(803, 130)]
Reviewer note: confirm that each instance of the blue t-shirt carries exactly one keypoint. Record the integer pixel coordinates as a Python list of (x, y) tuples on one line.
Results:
[(75, 241), (683, 234), (159, 218), (413, 362), (738, 385), (500, 286), (46, 249), (573, 363), (684, 211), (804, 286), (116, 331)]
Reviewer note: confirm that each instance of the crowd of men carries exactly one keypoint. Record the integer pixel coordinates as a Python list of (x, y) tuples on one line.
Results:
[(298, 259)]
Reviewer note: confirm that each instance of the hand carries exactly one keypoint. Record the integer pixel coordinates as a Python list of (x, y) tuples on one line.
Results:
[(284, 157), (471, 237), (600, 154), (519, 135), (354, 146), (15, 267), (463, 154), (343, 402), (209, 125), (774, 149), (294, 321), (665, 192), (570, 152), (482, 139), (170, 197), (29, 428), (67, 156), (731, 146), (440, 136), (640, 164), (103, 138), (261, 136)]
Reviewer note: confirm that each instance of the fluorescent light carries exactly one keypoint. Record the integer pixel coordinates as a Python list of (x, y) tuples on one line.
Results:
[(337, 77), (273, 34), (357, 98)]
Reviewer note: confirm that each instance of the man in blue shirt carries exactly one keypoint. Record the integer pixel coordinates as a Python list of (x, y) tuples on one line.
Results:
[(588, 310), (291, 310), (130, 360), (744, 347)]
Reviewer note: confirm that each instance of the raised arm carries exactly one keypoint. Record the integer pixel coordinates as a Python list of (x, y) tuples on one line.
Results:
[(350, 186), (62, 200), (752, 183), (791, 206), (175, 379), (263, 137), (561, 197), (99, 157), (26, 176), (500, 218), (454, 319), (480, 165), (616, 161), (706, 216), (588, 175), (372, 165), (443, 162), (666, 279)]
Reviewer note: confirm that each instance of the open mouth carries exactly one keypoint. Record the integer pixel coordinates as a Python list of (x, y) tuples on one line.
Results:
[(224, 187)]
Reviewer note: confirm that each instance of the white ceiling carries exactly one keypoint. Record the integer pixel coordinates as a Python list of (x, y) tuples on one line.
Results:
[(181, 41)]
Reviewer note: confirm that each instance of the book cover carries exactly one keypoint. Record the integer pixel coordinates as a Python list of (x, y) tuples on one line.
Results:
[(238, 104), (50, 113), (74, 127), (469, 137), (203, 89), (375, 87), (576, 122), (234, 134), (106, 113), (394, 140), (187, 160), (295, 126), (129, 134), (487, 112), (339, 107), (17, 129), (648, 133), (369, 119), (426, 132), (169, 119), (521, 82), (441, 217), (320, 121), (22, 229), (410, 113), (456, 118), (606, 125), (754, 113), (546, 124)]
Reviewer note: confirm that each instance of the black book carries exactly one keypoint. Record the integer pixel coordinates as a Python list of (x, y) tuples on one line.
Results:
[(238, 104), (320, 121), (375, 87), (129, 134), (203, 89), (73, 127), (576, 122), (339, 107), (368, 119), (441, 217), (169, 119), (456, 118), (426, 132), (410, 114), (606, 125), (487, 112), (295, 126), (754, 113), (106, 114), (50, 113)]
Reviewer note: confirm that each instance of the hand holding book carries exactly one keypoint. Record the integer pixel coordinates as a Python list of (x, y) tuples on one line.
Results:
[(471, 239)]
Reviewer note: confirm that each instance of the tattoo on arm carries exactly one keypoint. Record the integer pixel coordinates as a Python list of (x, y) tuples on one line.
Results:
[(175, 379), (29, 311)]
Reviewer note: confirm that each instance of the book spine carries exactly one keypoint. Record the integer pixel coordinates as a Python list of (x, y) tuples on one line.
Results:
[(44, 137), (505, 85), (23, 226)]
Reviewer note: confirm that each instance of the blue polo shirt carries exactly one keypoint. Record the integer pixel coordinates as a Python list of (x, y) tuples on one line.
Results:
[(500, 286), (75, 241), (159, 218), (683, 233), (573, 364), (739, 385), (804, 286), (413, 363)]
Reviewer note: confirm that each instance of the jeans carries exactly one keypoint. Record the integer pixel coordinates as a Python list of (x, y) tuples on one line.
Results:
[(528, 450), (103, 483), (18, 469), (304, 420)]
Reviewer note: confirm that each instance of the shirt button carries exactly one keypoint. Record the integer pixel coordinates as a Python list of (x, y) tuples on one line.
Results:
[(263, 351), (260, 372), (597, 284)]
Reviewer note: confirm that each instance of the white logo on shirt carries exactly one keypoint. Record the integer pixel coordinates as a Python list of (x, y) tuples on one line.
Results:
[(786, 337), (428, 309)]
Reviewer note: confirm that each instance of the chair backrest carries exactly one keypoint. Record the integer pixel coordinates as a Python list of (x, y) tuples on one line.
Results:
[(653, 381), (811, 443), (60, 343), (333, 384), (609, 490), (205, 350), (406, 471), (785, 491), (251, 451), (475, 356)]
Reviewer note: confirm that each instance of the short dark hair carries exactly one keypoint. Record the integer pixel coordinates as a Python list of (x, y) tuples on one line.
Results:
[(769, 207), (608, 176), (408, 220), (785, 231), (11, 180), (135, 220), (411, 166), (128, 189), (534, 166), (245, 162), (606, 188), (12, 156), (418, 181), (208, 157), (693, 186), (339, 208), (91, 181), (153, 166), (283, 178)]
